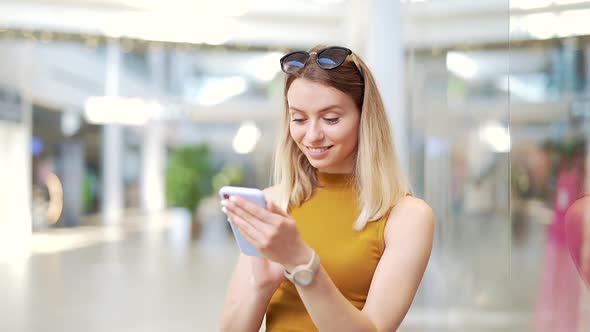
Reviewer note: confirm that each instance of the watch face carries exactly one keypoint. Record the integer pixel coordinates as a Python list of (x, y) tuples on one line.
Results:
[(303, 277)]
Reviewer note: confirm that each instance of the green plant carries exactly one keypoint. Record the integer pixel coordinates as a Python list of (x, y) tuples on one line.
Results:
[(229, 175), (188, 176)]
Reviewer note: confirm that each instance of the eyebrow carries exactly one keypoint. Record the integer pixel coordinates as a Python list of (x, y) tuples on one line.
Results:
[(323, 110)]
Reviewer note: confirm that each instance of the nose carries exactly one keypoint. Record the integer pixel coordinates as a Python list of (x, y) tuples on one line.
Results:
[(314, 133)]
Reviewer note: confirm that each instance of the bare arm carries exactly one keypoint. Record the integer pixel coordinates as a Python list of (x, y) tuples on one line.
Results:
[(408, 243), (254, 281), (329, 309), (245, 305)]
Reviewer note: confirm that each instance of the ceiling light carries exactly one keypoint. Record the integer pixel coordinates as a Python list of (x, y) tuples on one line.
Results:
[(119, 110), (496, 136), (246, 138), (216, 91), (461, 65)]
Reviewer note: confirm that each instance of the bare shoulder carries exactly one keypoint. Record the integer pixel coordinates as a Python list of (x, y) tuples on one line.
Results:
[(410, 217), (411, 206)]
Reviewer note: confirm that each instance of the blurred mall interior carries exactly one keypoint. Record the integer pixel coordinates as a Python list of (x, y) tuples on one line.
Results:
[(120, 119)]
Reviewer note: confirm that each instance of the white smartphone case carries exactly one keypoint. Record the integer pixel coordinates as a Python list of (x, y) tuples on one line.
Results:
[(252, 194)]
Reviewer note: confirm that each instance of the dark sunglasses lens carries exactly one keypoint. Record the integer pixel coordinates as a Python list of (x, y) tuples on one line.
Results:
[(293, 62), (331, 58)]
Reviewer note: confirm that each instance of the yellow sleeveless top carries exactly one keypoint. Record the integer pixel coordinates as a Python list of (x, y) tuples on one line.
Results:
[(349, 257)]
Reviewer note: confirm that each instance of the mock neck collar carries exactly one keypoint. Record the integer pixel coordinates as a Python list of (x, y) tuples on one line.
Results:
[(334, 180)]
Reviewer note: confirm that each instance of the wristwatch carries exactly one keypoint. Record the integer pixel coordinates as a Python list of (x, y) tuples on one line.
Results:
[(302, 275)]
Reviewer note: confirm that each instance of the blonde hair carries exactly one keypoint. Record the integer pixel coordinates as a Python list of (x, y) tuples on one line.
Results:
[(379, 181)]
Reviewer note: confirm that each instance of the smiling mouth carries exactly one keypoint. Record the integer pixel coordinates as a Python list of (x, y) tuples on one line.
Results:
[(318, 150)]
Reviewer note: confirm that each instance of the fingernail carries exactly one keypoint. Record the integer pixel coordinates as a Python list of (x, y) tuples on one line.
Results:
[(224, 202), (232, 198), (224, 209)]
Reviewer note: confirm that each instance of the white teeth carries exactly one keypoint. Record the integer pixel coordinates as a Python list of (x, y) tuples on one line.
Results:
[(317, 150)]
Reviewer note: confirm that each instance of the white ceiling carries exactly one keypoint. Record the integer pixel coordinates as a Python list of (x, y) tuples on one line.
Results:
[(282, 23)]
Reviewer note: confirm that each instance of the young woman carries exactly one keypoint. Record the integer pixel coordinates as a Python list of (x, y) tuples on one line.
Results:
[(344, 244)]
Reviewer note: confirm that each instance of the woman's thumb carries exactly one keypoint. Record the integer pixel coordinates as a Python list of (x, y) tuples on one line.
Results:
[(274, 208)]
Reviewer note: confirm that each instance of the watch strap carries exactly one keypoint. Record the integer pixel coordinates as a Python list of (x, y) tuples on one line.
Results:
[(311, 266)]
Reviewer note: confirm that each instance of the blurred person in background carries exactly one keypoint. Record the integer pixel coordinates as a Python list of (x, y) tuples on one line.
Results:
[(577, 225), (531, 169), (578, 237), (557, 303), (338, 195)]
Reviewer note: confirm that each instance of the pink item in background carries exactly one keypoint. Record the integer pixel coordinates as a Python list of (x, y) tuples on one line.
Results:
[(559, 292), (577, 229)]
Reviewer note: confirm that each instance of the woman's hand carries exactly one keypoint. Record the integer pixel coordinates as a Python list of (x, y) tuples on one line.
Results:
[(266, 274), (272, 231)]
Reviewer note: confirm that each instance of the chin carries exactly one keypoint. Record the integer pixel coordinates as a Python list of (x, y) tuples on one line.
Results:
[(318, 164), (321, 165)]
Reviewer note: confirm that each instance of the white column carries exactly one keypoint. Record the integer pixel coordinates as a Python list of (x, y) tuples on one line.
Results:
[(152, 171), (112, 145), (354, 25), (15, 194), (15, 162), (385, 57), (153, 149)]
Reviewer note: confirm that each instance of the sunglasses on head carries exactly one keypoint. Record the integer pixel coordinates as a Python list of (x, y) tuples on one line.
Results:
[(328, 58)]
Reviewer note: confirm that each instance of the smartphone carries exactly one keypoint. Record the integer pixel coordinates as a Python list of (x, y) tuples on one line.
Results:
[(252, 194)]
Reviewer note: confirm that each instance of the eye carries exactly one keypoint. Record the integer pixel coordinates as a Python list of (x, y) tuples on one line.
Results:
[(297, 120), (331, 120)]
